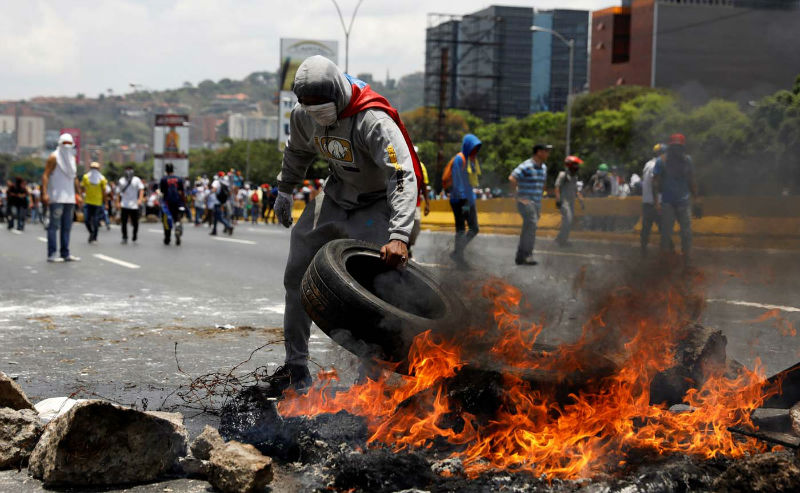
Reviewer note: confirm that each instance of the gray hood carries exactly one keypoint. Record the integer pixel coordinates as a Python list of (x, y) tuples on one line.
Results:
[(318, 76)]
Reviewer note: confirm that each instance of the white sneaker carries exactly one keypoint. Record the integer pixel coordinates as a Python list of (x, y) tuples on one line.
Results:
[(54, 259), (72, 258)]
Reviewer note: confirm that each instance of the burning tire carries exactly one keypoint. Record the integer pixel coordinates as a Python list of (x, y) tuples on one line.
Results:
[(370, 309)]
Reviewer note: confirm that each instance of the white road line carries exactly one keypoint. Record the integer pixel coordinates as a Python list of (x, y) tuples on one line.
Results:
[(16, 232), (234, 240), (573, 254), (756, 305), (269, 231), (155, 230), (115, 261), (42, 239)]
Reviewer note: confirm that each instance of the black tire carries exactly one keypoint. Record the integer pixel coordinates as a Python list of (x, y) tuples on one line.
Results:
[(339, 294)]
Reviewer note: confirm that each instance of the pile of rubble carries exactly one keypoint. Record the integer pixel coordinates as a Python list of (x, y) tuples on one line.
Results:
[(95, 443)]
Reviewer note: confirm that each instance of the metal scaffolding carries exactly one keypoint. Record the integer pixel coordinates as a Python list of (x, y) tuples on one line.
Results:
[(462, 69)]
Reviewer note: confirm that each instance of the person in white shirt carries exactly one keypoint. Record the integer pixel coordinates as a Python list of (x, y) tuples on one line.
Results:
[(59, 191), (649, 211), (129, 202), (199, 201)]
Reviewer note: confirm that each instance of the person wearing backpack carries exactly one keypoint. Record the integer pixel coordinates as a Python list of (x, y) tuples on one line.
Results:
[(216, 200), (461, 176), (173, 204), (254, 204), (673, 190)]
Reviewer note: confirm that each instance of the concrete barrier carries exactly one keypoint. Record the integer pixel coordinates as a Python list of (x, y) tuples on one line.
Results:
[(735, 217)]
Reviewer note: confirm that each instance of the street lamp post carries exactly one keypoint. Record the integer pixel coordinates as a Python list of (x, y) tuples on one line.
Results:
[(571, 44), (347, 33)]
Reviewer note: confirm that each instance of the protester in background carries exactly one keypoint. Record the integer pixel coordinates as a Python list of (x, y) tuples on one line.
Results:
[(18, 203), (59, 191), (5, 209), (464, 170), (152, 205), (423, 196), (173, 204), (36, 205), (566, 193), (129, 202), (199, 193), (601, 184), (242, 196), (108, 210), (93, 185), (254, 204), (217, 198), (272, 195), (528, 179), (673, 189), (649, 213)]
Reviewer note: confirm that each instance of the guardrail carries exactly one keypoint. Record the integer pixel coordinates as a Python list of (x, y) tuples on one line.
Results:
[(764, 217)]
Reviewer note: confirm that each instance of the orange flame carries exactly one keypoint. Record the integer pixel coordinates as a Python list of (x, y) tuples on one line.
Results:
[(596, 430)]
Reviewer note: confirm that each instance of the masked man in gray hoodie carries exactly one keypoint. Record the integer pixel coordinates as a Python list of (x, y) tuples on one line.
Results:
[(370, 194)]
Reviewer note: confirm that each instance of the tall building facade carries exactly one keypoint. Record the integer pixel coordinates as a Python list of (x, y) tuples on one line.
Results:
[(733, 49), (30, 132), (491, 64), (243, 127), (550, 58)]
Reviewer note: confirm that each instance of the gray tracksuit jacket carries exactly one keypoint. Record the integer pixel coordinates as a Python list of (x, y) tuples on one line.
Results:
[(358, 150)]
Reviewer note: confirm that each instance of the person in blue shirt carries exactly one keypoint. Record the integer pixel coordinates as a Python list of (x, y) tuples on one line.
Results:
[(529, 179), (462, 196), (673, 181)]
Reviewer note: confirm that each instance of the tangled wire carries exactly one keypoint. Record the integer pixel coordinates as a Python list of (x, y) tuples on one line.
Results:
[(208, 393)]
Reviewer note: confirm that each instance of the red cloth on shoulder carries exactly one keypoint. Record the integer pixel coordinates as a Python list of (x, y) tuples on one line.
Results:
[(364, 98)]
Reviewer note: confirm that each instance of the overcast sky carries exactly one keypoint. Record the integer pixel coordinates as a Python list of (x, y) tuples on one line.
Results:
[(59, 47)]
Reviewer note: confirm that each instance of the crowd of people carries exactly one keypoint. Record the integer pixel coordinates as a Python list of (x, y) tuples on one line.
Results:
[(667, 187)]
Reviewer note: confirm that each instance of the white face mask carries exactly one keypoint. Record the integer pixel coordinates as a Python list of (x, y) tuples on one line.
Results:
[(324, 114)]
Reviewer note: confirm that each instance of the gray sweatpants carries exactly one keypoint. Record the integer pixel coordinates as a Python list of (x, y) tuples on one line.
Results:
[(567, 216), (322, 221), (669, 214), (530, 221)]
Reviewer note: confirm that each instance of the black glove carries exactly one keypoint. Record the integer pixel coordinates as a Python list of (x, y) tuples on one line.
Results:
[(283, 208)]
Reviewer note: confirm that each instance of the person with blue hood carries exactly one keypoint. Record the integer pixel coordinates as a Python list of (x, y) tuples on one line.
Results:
[(370, 193), (465, 171)]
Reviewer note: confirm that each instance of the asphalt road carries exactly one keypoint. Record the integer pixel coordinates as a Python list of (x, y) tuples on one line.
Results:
[(108, 326)]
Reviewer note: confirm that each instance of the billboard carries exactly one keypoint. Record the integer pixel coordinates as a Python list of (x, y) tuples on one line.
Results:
[(171, 144), (293, 52), (76, 139)]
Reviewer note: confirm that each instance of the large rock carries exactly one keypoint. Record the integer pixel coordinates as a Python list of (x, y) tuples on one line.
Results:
[(239, 468), (99, 443), (11, 395), (19, 432), (205, 442)]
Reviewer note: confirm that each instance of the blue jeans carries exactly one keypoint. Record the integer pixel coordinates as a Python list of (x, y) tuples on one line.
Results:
[(220, 217), (60, 218), (92, 214), (17, 213), (198, 215)]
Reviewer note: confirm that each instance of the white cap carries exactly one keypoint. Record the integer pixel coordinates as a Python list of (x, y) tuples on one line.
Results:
[(65, 137)]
